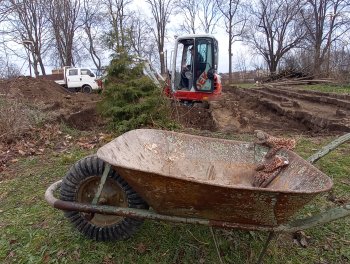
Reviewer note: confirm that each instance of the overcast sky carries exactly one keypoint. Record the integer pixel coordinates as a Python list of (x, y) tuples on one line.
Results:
[(239, 51), (220, 34)]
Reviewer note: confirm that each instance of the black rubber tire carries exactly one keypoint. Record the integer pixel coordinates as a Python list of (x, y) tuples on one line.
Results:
[(87, 89), (84, 169)]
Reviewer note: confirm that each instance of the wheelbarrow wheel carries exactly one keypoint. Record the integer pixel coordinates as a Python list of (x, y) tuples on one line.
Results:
[(80, 185)]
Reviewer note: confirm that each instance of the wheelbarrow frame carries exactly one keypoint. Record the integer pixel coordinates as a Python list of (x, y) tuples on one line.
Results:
[(292, 226)]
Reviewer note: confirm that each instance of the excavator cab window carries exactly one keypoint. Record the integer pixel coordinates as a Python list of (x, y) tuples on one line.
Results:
[(183, 65), (178, 64), (204, 64), (195, 64)]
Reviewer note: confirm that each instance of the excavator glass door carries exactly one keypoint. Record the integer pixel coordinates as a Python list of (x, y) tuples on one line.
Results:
[(195, 63), (203, 64)]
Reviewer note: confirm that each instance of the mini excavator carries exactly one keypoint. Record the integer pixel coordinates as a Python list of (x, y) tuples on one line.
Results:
[(193, 77)]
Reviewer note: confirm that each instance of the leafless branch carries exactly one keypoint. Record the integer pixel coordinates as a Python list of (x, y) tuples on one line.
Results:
[(274, 29), (161, 10)]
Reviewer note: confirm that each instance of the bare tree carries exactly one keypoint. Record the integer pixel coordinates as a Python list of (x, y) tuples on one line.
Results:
[(341, 62), (274, 29), (325, 22), (209, 16), (234, 23), (189, 10), (64, 18), (4, 10), (92, 19), (119, 21), (241, 62), (161, 10), (139, 36), (198, 15), (7, 69), (28, 27)]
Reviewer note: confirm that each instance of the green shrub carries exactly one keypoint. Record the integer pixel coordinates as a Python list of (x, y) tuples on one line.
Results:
[(131, 100)]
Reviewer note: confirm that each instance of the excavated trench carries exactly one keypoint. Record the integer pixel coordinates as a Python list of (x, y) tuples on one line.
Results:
[(281, 110)]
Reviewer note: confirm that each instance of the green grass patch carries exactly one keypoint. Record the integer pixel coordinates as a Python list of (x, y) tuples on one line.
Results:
[(66, 129), (327, 88), (33, 232)]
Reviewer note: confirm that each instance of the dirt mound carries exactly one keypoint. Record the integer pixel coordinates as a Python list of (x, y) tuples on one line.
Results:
[(32, 89), (85, 119), (236, 113), (55, 100), (193, 117)]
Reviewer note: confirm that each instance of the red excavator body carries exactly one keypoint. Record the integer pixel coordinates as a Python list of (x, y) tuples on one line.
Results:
[(193, 77)]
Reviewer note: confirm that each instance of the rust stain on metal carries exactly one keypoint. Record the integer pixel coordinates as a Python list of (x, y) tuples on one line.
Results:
[(192, 176), (300, 224)]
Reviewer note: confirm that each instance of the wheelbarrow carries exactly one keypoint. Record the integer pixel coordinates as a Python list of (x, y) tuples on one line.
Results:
[(163, 175)]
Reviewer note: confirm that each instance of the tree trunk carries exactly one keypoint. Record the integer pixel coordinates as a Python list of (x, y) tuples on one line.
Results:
[(42, 67), (230, 56), (35, 67), (162, 65), (69, 56), (273, 66), (317, 62)]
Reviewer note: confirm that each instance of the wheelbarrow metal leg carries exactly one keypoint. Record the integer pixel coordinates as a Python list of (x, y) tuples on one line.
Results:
[(267, 242), (102, 183)]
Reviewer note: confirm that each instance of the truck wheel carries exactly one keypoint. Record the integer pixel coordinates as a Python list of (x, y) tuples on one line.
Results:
[(87, 89), (80, 185)]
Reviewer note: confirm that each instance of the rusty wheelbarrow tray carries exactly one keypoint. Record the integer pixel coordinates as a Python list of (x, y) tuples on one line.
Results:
[(193, 179), (191, 176)]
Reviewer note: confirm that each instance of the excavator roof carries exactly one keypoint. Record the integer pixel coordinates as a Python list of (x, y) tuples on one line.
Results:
[(195, 36)]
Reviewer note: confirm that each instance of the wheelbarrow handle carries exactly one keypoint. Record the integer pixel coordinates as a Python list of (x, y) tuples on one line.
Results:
[(321, 218), (328, 148), (332, 213)]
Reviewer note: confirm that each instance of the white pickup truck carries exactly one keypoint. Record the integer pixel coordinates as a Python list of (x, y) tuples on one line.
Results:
[(77, 79)]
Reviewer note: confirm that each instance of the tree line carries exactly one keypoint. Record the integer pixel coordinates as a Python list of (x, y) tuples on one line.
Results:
[(309, 35)]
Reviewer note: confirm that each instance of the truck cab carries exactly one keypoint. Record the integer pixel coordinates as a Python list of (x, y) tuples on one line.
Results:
[(80, 78)]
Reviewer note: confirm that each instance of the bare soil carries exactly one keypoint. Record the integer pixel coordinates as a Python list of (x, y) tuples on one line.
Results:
[(275, 109), (77, 109), (55, 104), (196, 117), (280, 111)]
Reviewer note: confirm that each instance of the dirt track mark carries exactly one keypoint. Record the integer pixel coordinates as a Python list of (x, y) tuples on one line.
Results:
[(239, 113), (318, 98), (316, 112), (312, 92)]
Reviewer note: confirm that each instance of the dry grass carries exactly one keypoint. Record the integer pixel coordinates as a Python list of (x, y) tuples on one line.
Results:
[(17, 118), (33, 232)]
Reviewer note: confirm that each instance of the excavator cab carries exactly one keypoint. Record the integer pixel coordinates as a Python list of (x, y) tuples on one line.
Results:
[(195, 61)]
